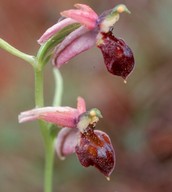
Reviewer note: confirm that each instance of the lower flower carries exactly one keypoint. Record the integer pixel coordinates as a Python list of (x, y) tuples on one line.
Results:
[(78, 134)]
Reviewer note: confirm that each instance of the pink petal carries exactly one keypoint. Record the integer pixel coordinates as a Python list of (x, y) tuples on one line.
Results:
[(62, 116), (87, 9), (54, 29), (84, 17), (83, 7), (66, 142), (81, 106), (79, 45)]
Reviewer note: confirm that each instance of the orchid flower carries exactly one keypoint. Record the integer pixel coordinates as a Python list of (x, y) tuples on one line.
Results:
[(92, 30), (78, 134)]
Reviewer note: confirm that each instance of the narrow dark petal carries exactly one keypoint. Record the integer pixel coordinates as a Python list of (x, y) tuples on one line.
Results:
[(118, 57), (95, 149)]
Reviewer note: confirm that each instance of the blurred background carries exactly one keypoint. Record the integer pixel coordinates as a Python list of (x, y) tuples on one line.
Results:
[(137, 115)]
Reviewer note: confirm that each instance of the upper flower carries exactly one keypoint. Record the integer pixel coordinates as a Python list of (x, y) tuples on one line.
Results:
[(78, 134), (92, 29)]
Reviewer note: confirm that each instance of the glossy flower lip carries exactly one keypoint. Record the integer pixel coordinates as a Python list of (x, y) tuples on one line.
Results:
[(118, 57), (95, 149)]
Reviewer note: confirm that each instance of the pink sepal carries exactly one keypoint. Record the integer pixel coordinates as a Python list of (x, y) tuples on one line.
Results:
[(66, 142), (61, 116), (86, 18), (79, 45), (54, 29), (87, 9), (70, 38)]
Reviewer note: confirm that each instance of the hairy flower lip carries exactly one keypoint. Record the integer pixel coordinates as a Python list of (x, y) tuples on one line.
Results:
[(95, 149), (118, 56)]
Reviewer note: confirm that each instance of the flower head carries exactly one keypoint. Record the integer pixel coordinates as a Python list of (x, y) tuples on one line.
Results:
[(78, 134), (93, 30)]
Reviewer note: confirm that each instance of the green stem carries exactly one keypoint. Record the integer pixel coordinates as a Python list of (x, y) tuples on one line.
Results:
[(45, 129), (7, 47), (48, 141), (58, 87), (49, 161), (39, 92)]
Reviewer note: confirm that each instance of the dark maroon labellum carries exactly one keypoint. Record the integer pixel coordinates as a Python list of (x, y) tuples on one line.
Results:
[(95, 149), (117, 55)]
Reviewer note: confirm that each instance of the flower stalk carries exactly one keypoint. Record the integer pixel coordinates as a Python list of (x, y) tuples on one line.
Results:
[(49, 161), (39, 102), (39, 99), (58, 88), (45, 127), (48, 141), (9, 48)]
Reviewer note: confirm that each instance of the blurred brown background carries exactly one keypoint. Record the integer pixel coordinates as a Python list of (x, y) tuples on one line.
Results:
[(137, 115)]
